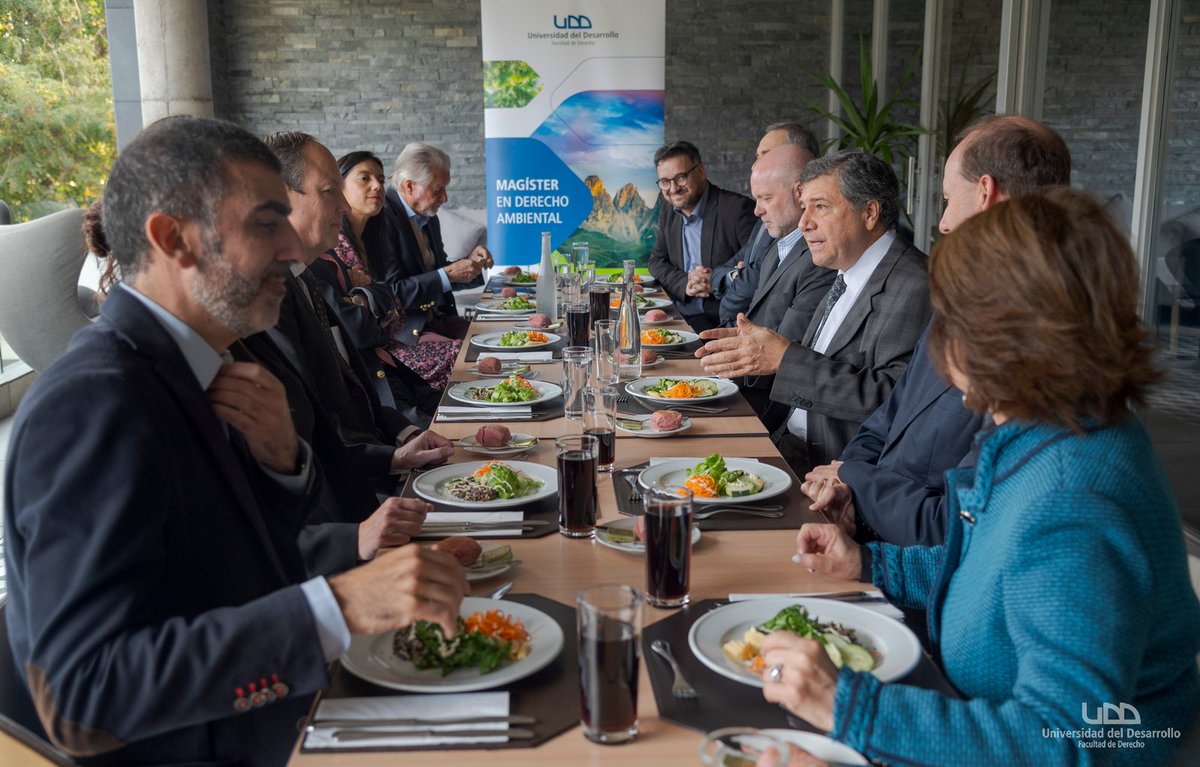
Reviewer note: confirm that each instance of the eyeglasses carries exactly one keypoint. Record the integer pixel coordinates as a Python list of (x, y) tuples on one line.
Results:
[(680, 180)]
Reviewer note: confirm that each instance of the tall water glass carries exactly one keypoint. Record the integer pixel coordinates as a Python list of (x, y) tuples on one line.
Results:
[(586, 273), (577, 509), (668, 514), (580, 255), (600, 421), (578, 316), (610, 625), (577, 365), (604, 344), (568, 288)]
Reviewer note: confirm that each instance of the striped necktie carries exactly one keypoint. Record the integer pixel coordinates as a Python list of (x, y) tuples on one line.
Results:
[(831, 298)]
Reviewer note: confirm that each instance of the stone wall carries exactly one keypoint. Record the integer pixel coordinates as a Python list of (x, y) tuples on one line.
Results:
[(381, 73)]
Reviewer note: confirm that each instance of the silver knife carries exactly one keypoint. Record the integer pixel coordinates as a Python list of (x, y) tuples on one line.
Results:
[(417, 722), (513, 733), (444, 526)]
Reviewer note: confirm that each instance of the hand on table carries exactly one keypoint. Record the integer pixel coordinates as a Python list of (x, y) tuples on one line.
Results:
[(827, 550), (248, 398), (746, 350), (401, 586), (393, 524), (807, 677), (425, 448), (830, 496)]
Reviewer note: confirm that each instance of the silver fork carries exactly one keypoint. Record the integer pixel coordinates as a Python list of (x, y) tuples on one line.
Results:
[(635, 492), (699, 515), (679, 687)]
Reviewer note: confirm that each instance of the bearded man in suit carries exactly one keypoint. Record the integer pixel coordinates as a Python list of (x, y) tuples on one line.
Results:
[(158, 607), (861, 340), (700, 227)]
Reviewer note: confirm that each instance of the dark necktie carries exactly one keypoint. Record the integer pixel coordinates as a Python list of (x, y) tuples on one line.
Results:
[(322, 312), (831, 298)]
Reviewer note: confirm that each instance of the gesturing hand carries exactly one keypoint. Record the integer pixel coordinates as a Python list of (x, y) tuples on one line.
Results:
[(827, 550), (393, 524), (750, 350), (426, 448), (251, 400), (401, 586)]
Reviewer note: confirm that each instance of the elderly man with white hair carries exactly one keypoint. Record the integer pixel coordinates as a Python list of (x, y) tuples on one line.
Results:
[(410, 256)]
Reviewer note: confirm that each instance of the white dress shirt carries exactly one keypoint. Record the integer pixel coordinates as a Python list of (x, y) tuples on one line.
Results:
[(856, 279)]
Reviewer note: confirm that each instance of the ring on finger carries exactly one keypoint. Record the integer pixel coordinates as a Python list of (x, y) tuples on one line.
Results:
[(775, 673)]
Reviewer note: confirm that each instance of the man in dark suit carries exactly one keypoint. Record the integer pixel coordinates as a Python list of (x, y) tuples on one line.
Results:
[(890, 480), (408, 249), (701, 228), (360, 443), (735, 281), (861, 341), (157, 601)]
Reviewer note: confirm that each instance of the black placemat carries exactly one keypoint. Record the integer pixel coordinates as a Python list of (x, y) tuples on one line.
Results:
[(736, 404), (795, 503), (723, 702), (545, 509), (551, 695), (475, 351)]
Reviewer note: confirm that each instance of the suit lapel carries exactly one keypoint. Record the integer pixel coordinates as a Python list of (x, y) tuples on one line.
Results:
[(410, 253), (866, 300), (707, 226), (143, 330)]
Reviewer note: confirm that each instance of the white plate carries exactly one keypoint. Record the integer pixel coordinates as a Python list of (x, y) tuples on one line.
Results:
[(627, 523), (371, 658), (654, 323), (476, 573), (428, 484), (648, 430), (492, 341), (725, 387), (546, 391), (820, 746), (507, 368), (897, 646), (527, 326), (675, 473), (685, 336), (511, 283), (471, 445), (618, 278), (494, 307)]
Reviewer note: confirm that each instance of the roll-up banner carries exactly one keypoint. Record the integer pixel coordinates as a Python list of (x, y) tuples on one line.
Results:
[(573, 97)]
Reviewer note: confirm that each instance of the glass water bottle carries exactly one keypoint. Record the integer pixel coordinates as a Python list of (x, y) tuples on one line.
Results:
[(547, 282), (629, 329)]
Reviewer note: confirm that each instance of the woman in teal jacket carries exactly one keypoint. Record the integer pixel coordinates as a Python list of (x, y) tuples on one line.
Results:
[(1062, 591)]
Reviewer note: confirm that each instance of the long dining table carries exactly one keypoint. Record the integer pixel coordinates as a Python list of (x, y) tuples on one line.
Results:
[(553, 566)]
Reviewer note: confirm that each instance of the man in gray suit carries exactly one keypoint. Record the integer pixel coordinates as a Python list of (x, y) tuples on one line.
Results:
[(788, 285), (860, 342)]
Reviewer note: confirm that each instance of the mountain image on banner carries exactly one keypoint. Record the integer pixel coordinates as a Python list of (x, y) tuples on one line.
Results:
[(623, 217)]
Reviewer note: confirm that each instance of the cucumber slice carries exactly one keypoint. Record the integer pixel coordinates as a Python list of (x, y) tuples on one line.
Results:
[(857, 657), (497, 555), (740, 487)]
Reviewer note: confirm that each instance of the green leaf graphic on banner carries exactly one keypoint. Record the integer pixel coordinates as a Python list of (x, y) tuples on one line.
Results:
[(509, 84)]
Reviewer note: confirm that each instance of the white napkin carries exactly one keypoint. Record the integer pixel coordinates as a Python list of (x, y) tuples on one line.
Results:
[(523, 356), (657, 461), (477, 516), (455, 706), (883, 608)]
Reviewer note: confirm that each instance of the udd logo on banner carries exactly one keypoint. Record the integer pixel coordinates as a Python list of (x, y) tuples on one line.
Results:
[(573, 22), (1110, 713)]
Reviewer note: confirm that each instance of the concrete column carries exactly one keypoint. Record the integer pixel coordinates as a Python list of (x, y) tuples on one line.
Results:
[(173, 61)]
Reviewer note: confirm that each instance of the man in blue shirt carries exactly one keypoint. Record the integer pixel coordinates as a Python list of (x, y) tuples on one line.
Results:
[(700, 227)]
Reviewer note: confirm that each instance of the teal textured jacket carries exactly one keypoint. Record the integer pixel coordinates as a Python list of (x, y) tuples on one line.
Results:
[(1063, 585)]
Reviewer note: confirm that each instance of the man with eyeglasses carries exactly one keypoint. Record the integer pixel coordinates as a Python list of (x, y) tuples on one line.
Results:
[(701, 227)]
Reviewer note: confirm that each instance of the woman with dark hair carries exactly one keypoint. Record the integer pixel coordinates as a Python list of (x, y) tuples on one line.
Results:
[(368, 308), (1062, 591)]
